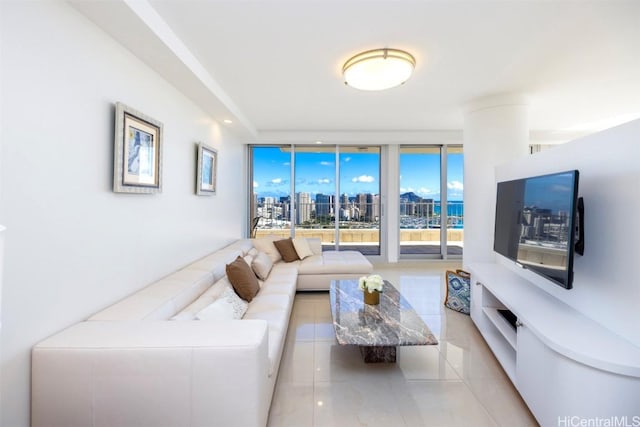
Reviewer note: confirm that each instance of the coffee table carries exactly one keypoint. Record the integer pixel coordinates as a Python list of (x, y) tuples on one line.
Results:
[(376, 329)]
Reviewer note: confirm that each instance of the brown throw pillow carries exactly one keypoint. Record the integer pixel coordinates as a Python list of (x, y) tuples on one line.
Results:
[(243, 279), (287, 250)]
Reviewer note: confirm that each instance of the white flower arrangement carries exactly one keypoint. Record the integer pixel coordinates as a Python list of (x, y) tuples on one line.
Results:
[(371, 283)]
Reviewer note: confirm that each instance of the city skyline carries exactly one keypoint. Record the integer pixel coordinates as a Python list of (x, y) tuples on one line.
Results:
[(315, 173)]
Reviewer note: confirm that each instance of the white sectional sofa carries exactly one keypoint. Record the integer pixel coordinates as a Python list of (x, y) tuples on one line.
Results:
[(145, 361)]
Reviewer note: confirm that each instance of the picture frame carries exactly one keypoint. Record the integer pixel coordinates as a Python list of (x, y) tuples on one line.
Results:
[(137, 159), (207, 168)]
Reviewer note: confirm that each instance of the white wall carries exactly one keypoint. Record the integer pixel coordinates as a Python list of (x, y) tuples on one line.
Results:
[(606, 284), (72, 245)]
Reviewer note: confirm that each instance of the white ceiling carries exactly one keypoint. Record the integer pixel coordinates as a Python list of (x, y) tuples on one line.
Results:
[(274, 65)]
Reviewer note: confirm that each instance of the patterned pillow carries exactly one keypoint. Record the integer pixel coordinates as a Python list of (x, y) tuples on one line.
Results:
[(229, 306), (458, 296)]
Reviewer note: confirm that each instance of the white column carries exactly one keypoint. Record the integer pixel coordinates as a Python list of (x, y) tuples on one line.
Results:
[(496, 130)]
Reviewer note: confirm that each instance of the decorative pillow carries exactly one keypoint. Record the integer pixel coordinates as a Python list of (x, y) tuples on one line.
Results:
[(287, 250), (458, 296), (262, 265), (228, 307), (248, 259), (315, 244), (265, 244), (209, 296), (243, 279), (253, 252), (302, 247)]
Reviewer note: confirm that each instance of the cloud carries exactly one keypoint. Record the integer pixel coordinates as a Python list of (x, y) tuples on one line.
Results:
[(424, 190), (255, 184), (363, 178), (324, 181), (276, 182), (286, 164), (407, 190), (323, 163), (347, 159), (455, 185)]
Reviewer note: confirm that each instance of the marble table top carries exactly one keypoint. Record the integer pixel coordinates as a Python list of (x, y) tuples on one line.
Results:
[(393, 322)]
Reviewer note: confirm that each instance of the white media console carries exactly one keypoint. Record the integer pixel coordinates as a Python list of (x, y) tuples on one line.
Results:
[(562, 363)]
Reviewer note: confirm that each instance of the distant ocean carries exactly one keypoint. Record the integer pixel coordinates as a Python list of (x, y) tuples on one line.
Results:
[(454, 208)]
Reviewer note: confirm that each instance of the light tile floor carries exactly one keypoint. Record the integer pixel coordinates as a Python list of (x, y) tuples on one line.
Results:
[(455, 383)]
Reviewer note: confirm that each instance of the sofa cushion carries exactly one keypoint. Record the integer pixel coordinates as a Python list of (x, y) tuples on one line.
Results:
[(262, 265), (228, 307), (208, 297), (265, 244), (160, 300), (302, 247), (269, 302), (243, 245), (215, 263), (287, 250), (335, 262), (243, 279), (277, 321)]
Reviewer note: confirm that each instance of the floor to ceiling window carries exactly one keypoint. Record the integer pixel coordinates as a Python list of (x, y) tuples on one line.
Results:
[(333, 194), (431, 226), (359, 200), (420, 200), (314, 192), (270, 204)]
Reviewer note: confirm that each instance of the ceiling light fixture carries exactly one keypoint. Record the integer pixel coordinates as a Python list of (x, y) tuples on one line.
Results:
[(227, 121), (378, 69)]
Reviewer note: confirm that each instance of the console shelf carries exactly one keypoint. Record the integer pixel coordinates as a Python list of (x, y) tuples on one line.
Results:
[(550, 336), (507, 331)]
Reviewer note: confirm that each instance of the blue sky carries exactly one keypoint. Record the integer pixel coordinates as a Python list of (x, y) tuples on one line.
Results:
[(359, 173)]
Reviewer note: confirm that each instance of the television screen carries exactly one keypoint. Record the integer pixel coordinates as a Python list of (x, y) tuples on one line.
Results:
[(535, 224)]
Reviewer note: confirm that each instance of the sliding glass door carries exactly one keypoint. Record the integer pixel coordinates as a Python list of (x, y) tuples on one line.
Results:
[(431, 207), (420, 201), (314, 193), (359, 201)]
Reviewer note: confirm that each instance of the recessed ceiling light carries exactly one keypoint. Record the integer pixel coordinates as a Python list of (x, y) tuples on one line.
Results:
[(378, 69), (227, 121), (318, 142)]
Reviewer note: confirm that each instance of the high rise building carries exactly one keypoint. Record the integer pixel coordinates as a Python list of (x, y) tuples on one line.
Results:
[(324, 205), (303, 207), (361, 203)]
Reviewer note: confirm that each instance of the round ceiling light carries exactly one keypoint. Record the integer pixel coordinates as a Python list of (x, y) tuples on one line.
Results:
[(378, 69)]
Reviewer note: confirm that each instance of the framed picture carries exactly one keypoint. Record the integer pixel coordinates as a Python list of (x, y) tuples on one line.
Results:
[(137, 161), (206, 170)]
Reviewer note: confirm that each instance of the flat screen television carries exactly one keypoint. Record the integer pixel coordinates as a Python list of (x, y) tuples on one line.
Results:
[(536, 222)]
